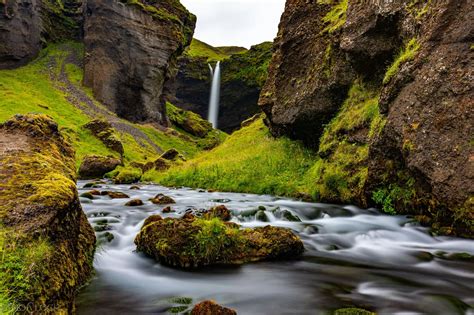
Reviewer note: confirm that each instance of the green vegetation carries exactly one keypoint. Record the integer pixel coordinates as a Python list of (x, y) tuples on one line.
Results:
[(250, 67), (406, 54), (250, 160), (20, 266), (335, 18), (203, 50), (34, 89), (341, 173)]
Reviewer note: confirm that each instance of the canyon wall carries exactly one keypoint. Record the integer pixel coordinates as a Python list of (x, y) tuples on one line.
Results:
[(390, 83), (243, 75), (131, 54)]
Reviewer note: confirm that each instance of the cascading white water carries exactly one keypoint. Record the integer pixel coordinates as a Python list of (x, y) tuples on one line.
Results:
[(215, 95)]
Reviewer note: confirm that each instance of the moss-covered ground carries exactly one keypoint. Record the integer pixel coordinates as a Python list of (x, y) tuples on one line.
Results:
[(35, 89), (203, 50)]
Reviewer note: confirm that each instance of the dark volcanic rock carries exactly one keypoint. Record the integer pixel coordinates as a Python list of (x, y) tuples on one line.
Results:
[(426, 146), (416, 58), (309, 76), (243, 75), (131, 52), (20, 32), (26, 25), (94, 166)]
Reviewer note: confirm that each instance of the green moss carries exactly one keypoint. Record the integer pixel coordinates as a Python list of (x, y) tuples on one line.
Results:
[(250, 67), (125, 175), (336, 17), (406, 54)]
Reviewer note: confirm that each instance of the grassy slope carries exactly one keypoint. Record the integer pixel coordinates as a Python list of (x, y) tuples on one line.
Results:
[(30, 90), (250, 160), (201, 49)]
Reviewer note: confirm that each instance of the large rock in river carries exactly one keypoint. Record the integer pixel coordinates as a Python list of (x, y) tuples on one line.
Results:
[(192, 242), (131, 51), (47, 244), (96, 166)]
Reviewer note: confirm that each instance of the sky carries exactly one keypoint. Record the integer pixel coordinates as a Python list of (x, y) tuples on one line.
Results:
[(236, 22)]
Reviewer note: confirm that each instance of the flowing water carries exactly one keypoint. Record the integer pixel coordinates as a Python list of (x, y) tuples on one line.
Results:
[(353, 257), (213, 115)]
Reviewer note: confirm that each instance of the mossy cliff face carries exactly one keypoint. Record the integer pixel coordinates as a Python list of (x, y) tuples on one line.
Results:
[(131, 52), (47, 244), (243, 74), (386, 87), (25, 26)]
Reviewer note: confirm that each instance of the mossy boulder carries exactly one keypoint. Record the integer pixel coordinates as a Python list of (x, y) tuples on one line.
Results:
[(161, 199), (188, 121), (46, 242), (115, 194), (211, 308), (220, 212), (171, 154), (134, 203), (192, 242), (95, 166), (103, 130), (128, 175)]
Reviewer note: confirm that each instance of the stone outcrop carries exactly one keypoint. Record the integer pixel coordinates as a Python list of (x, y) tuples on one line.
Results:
[(243, 75), (95, 166), (47, 243), (104, 131), (192, 242), (25, 26), (131, 52), (414, 58)]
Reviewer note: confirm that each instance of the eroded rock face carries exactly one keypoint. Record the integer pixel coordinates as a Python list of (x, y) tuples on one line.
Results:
[(309, 76), (416, 58), (131, 52), (192, 242), (20, 32), (426, 146), (42, 224), (26, 26)]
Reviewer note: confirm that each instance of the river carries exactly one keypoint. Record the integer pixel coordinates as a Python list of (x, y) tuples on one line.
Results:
[(352, 257)]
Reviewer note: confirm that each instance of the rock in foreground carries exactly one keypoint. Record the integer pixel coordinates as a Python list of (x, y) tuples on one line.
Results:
[(47, 244), (211, 308), (94, 166), (192, 242)]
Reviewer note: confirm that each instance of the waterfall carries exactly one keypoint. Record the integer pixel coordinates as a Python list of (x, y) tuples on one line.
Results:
[(215, 94)]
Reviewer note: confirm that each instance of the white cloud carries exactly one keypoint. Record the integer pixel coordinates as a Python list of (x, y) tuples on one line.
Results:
[(236, 22)]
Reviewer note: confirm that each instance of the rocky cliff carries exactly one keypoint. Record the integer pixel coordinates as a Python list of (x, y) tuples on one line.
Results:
[(25, 26), (243, 75), (46, 242), (131, 52), (384, 92)]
